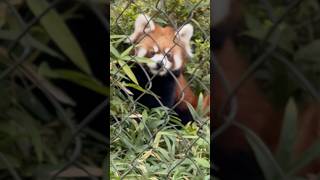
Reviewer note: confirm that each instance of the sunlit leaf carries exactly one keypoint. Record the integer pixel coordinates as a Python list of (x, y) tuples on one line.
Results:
[(202, 162), (114, 51), (128, 71)]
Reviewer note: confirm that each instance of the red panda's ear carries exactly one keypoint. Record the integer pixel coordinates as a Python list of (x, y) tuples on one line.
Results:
[(142, 25), (184, 34)]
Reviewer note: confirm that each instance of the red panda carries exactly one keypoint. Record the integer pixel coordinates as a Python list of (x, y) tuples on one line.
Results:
[(168, 50), (232, 154), (308, 134)]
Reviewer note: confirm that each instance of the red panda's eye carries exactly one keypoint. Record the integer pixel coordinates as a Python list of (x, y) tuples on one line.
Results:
[(152, 53), (169, 56)]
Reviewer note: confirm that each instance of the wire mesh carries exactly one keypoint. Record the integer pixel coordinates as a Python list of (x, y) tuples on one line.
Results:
[(73, 150), (267, 50), (136, 112)]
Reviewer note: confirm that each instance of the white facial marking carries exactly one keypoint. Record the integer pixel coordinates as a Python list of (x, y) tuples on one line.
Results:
[(163, 61), (155, 48), (141, 52), (177, 61)]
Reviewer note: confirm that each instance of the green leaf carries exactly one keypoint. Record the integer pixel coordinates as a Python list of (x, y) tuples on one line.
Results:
[(193, 112), (137, 87), (288, 134), (58, 93), (54, 24), (128, 71), (160, 21), (44, 48), (128, 144), (200, 102), (50, 154), (7, 160), (78, 78), (114, 51), (202, 162), (34, 105), (308, 156), (54, 90), (117, 36), (35, 136), (8, 35), (252, 23), (157, 140), (268, 164), (29, 40), (126, 52), (31, 127), (309, 51), (164, 153), (142, 59)]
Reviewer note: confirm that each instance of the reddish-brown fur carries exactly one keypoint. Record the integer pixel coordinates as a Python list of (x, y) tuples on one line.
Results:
[(254, 109), (308, 133), (164, 37), (187, 92)]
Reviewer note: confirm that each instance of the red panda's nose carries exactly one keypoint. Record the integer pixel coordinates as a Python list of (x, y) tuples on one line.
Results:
[(159, 65)]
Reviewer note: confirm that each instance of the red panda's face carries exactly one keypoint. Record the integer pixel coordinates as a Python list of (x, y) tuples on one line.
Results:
[(167, 48)]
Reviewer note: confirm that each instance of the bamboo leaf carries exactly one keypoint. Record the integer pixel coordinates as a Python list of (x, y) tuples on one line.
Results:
[(128, 71), (142, 59), (12, 35), (268, 164), (54, 90), (57, 29), (76, 77), (309, 155), (126, 52), (288, 134), (31, 127), (202, 162), (114, 51), (117, 36)]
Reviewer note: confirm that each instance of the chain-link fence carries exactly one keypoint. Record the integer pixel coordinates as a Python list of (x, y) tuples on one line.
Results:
[(275, 70), (47, 139), (145, 142), (147, 102)]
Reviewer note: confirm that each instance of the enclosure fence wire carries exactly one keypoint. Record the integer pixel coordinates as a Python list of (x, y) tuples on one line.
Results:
[(120, 121), (75, 144), (266, 51)]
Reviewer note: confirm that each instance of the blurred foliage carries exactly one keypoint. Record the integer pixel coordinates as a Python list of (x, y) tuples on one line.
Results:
[(150, 143), (37, 117), (284, 75), (297, 38)]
